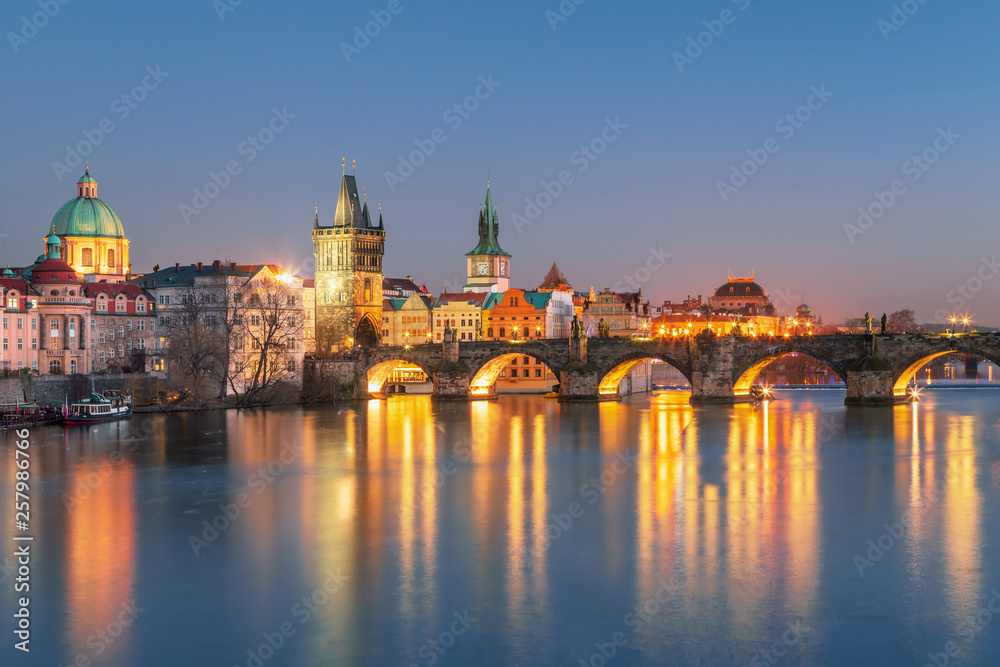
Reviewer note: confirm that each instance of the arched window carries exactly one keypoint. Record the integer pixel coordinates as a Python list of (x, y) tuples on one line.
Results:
[(111, 258), (88, 257), (368, 290), (502, 332), (489, 332), (55, 367)]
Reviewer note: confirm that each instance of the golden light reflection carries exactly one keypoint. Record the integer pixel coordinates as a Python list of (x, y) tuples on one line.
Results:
[(667, 492), (100, 556)]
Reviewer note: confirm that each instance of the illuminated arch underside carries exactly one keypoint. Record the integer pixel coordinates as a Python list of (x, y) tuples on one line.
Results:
[(379, 373), (487, 375), (899, 389), (609, 383), (745, 381)]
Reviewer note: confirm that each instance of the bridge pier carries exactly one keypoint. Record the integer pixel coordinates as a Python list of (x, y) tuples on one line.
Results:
[(452, 377), (870, 382), (579, 380), (712, 380)]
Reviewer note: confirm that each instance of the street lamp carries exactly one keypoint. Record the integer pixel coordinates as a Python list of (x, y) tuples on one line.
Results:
[(953, 325), (514, 329), (965, 325)]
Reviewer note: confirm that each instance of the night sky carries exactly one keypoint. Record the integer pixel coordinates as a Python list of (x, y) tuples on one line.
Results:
[(664, 121)]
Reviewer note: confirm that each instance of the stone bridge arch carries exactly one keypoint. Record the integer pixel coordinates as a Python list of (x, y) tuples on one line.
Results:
[(380, 364), (748, 368), (493, 357), (613, 371), (916, 355)]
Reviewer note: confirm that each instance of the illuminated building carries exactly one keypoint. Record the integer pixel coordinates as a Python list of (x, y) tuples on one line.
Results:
[(488, 264), (463, 312), (348, 274), (625, 312), (406, 321), (91, 237)]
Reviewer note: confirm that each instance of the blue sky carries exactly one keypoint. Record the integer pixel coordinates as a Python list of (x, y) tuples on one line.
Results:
[(223, 75)]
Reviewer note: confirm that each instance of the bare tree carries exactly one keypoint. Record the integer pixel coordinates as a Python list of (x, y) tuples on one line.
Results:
[(903, 321), (196, 344), (266, 334)]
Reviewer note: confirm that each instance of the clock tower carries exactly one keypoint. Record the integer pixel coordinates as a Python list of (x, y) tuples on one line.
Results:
[(488, 263)]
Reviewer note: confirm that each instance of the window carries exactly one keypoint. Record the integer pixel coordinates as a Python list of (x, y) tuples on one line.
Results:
[(55, 325), (5, 323), (527, 361), (34, 324), (489, 332), (290, 365), (34, 343), (513, 372), (34, 365), (20, 343), (87, 257), (128, 325), (121, 350), (120, 306), (129, 344), (101, 336), (72, 366), (20, 323), (140, 306), (121, 331), (513, 362), (538, 372), (55, 366), (102, 305), (140, 325), (93, 323), (5, 343), (502, 332), (111, 258), (164, 299), (102, 356)]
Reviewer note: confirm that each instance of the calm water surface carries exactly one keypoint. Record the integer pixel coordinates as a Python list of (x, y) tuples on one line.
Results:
[(517, 532)]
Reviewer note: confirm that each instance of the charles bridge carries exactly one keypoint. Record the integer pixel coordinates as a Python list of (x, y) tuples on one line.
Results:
[(721, 369)]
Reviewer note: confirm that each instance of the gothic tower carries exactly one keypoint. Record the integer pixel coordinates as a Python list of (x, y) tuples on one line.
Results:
[(348, 274), (488, 263)]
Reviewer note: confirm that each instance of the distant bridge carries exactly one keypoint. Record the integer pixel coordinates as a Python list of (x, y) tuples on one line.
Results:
[(721, 369)]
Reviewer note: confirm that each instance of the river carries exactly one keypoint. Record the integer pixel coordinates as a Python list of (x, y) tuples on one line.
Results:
[(515, 532)]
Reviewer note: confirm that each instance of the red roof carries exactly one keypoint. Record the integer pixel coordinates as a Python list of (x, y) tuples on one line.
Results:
[(113, 289), (14, 283), (54, 270), (473, 298)]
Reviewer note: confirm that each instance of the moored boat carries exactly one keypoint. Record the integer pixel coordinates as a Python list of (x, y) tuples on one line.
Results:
[(99, 408)]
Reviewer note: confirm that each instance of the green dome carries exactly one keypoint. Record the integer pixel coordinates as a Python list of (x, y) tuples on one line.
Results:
[(87, 216), (87, 178)]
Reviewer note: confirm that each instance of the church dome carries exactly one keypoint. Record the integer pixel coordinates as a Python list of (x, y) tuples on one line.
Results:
[(86, 215), (736, 289)]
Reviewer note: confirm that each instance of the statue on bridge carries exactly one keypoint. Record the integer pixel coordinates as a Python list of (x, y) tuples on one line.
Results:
[(603, 329), (576, 330), (479, 330), (884, 328), (868, 323)]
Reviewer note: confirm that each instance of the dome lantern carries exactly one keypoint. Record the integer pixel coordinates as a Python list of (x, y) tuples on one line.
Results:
[(86, 186)]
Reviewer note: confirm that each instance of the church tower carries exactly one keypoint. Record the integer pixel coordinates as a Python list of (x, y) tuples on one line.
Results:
[(348, 274), (488, 263)]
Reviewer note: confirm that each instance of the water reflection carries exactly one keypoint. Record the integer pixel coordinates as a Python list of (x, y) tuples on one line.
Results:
[(749, 515)]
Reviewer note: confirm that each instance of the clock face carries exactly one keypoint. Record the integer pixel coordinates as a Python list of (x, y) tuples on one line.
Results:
[(483, 269)]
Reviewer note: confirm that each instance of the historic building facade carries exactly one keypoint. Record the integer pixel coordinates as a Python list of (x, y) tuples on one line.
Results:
[(625, 314), (55, 323), (348, 274)]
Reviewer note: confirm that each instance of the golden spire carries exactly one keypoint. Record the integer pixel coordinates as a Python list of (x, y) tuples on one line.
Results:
[(354, 166), (343, 166)]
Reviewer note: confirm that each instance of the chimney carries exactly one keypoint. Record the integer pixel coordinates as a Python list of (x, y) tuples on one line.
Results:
[(177, 267), (232, 265), (199, 267), (216, 264)]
